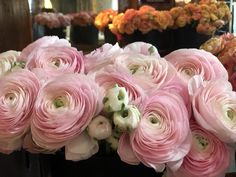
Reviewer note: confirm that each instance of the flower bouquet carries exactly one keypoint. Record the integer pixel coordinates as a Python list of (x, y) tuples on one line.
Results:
[(83, 29), (174, 115), (53, 23), (102, 20), (184, 26)]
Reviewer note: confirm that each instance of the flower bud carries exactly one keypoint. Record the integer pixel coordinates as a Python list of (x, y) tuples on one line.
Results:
[(113, 141), (127, 120), (116, 99), (99, 128)]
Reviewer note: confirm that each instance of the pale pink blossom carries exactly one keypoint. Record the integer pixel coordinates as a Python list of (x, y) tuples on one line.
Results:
[(64, 108), (125, 150), (18, 92), (151, 71), (142, 48), (163, 135), (42, 42), (208, 156), (101, 57), (214, 107), (190, 62), (56, 61), (81, 147)]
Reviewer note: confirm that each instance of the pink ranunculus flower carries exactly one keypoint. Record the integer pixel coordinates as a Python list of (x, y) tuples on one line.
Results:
[(64, 107), (101, 57), (163, 134), (43, 42), (147, 69), (214, 107), (142, 48), (110, 76), (18, 92), (125, 150), (56, 61), (208, 156), (190, 62), (7, 61)]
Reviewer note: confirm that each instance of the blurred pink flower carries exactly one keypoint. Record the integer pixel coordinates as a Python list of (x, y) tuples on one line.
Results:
[(208, 156), (64, 108), (18, 92), (101, 57), (42, 42)]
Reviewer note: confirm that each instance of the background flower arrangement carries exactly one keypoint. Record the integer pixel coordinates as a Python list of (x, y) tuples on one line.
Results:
[(207, 15), (162, 112), (224, 48), (52, 20), (83, 18)]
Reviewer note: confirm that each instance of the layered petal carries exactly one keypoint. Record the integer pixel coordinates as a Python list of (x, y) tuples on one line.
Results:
[(190, 62), (214, 108), (163, 134), (18, 92), (208, 156), (64, 108)]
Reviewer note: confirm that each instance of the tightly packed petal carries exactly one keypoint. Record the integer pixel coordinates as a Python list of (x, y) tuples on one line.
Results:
[(100, 128), (190, 62), (163, 134), (54, 61), (42, 42), (208, 156), (150, 70), (214, 107), (64, 108), (18, 92), (142, 48), (81, 148)]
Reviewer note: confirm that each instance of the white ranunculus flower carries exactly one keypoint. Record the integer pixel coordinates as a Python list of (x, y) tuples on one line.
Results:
[(127, 120), (116, 99), (7, 61), (100, 128)]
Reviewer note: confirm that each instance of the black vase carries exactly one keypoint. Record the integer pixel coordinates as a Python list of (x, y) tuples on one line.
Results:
[(109, 37), (163, 41), (99, 166), (60, 32), (188, 37), (20, 164), (84, 34)]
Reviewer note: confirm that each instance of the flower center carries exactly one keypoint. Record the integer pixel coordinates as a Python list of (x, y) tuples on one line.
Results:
[(134, 69), (56, 62), (188, 71), (58, 102), (230, 114), (201, 142), (154, 120)]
